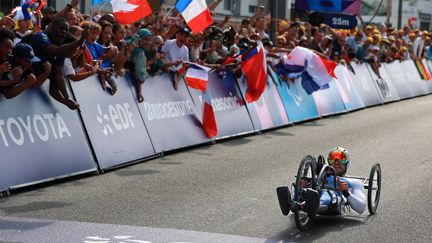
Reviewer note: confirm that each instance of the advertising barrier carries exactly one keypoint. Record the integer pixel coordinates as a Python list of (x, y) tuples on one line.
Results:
[(365, 85), (384, 84), (113, 122), (268, 111), (413, 77), (347, 90), (40, 140), (299, 105), (232, 117), (400, 82), (418, 72), (170, 115), (329, 101)]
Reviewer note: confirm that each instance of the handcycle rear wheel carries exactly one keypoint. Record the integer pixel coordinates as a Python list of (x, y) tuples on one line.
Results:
[(374, 188), (306, 172)]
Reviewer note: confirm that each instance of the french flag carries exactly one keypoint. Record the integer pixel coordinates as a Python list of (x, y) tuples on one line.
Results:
[(197, 76), (254, 68), (195, 13), (316, 71), (209, 120)]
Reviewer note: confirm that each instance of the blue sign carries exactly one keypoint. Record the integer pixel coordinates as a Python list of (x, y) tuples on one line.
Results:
[(40, 139), (113, 122), (337, 6), (299, 105), (340, 21), (329, 101), (170, 115)]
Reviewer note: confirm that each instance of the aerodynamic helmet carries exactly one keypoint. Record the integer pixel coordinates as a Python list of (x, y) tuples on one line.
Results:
[(339, 154)]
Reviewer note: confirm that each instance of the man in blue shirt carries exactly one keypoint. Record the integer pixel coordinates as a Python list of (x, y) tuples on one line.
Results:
[(48, 46)]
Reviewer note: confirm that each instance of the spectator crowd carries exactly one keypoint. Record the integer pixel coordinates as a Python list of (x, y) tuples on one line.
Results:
[(70, 45)]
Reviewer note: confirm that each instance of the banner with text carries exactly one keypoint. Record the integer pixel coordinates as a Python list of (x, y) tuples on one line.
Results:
[(232, 117), (170, 115), (113, 122), (40, 139)]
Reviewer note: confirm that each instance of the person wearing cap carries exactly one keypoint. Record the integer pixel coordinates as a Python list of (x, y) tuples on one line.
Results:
[(21, 73), (176, 51), (418, 45), (364, 49), (143, 40)]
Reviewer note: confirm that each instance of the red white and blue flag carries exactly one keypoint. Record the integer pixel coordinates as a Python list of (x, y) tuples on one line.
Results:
[(254, 68), (209, 120), (196, 14), (316, 71), (197, 78)]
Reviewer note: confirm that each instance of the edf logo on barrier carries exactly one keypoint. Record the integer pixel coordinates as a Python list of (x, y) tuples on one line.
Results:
[(118, 117), (30, 128)]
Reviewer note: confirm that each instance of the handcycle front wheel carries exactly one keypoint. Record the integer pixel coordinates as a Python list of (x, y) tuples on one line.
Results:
[(374, 188), (306, 178)]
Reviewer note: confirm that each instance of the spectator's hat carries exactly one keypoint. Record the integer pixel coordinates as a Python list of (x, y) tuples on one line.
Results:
[(369, 39), (23, 50), (141, 34), (425, 33), (185, 30), (385, 41), (411, 34), (403, 49)]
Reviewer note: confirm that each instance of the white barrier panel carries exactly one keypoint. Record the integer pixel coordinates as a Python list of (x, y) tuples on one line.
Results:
[(365, 85), (400, 82), (347, 90), (413, 76), (385, 85)]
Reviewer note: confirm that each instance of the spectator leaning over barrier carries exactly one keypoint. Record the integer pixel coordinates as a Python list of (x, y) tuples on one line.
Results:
[(6, 46), (100, 55), (175, 50), (48, 46), (124, 51), (21, 72), (143, 41)]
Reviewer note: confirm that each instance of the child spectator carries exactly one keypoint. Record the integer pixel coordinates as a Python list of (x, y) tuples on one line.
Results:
[(97, 54)]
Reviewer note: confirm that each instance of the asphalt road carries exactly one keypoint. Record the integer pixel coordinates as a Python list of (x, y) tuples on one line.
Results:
[(229, 188)]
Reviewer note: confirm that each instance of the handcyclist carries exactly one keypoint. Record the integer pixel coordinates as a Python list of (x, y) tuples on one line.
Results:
[(336, 190), (333, 196)]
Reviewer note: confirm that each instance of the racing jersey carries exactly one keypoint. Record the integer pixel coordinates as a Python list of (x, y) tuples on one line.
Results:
[(329, 197)]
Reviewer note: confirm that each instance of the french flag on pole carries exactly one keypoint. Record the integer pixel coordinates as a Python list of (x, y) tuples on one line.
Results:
[(254, 68), (196, 14), (197, 78), (316, 71)]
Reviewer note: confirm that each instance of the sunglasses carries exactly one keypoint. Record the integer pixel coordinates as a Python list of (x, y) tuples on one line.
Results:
[(337, 157)]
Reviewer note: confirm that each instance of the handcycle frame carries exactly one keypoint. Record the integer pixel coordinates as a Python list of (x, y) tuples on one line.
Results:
[(304, 211)]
